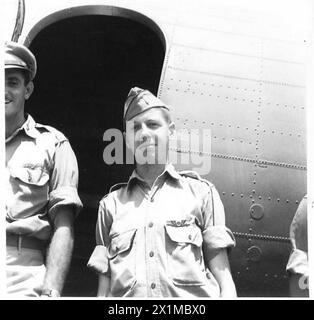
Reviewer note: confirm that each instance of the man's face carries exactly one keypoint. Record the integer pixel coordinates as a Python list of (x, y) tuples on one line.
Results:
[(16, 92), (147, 135)]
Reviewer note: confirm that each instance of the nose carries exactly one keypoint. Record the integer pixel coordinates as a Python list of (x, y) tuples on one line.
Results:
[(144, 134)]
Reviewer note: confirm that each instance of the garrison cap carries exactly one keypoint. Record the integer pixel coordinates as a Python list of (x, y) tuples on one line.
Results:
[(17, 56), (140, 100)]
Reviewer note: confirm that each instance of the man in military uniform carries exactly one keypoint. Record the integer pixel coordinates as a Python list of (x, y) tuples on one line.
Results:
[(161, 234), (41, 188)]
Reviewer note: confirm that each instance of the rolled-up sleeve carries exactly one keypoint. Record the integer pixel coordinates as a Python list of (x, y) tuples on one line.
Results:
[(217, 237), (64, 180), (215, 234), (98, 261), (298, 262)]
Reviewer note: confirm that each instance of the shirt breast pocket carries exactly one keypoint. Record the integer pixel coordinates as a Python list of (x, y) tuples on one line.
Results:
[(184, 255), (122, 256)]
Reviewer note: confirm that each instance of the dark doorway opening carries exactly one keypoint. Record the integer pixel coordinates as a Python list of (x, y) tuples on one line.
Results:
[(86, 67)]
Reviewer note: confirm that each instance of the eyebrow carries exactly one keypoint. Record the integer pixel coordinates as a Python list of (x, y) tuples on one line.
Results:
[(13, 77)]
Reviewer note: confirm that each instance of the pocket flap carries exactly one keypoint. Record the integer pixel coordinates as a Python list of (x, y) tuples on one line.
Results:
[(36, 176), (121, 243), (186, 234)]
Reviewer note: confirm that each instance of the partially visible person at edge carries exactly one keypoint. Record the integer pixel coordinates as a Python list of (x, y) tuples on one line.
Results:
[(161, 234), (297, 266), (41, 189)]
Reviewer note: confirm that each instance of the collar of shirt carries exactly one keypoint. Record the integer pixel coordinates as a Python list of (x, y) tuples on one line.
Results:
[(29, 127), (169, 169)]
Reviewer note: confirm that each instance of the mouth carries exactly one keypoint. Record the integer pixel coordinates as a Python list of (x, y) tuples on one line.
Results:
[(7, 101)]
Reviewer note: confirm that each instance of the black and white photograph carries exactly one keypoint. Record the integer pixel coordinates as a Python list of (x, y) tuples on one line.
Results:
[(156, 149)]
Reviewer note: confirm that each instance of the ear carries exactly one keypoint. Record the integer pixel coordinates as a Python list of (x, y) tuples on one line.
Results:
[(29, 90), (172, 128)]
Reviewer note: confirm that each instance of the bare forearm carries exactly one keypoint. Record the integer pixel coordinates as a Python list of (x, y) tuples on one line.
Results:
[(219, 266), (103, 286), (227, 287), (60, 251), (58, 259)]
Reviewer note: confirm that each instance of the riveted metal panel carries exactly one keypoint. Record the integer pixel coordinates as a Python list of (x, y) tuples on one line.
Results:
[(215, 96), (289, 188), (215, 41), (214, 62), (289, 74), (288, 99), (279, 200), (284, 51), (285, 126), (226, 139), (233, 18), (265, 276), (276, 220), (232, 133), (293, 150), (237, 199), (290, 182)]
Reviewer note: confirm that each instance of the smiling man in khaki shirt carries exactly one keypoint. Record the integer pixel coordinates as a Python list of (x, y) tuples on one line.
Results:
[(41, 189), (161, 234)]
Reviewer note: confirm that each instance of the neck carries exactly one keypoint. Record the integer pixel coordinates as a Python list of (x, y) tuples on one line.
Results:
[(11, 125), (150, 172)]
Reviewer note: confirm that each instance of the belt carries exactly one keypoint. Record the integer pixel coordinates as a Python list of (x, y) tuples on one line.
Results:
[(20, 241)]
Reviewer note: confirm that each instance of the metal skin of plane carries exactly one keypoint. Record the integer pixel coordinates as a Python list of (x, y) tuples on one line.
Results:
[(235, 69)]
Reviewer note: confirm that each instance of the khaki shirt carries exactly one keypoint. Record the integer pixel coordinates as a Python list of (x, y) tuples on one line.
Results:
[(41, 175), (298, 260), (156, 242)]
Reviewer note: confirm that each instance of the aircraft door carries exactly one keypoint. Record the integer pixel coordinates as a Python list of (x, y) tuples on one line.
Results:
[(86, 67)]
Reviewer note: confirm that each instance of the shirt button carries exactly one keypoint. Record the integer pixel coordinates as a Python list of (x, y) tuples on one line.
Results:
[(150, 224), (153, 285), (190, 237), (151, 254)]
